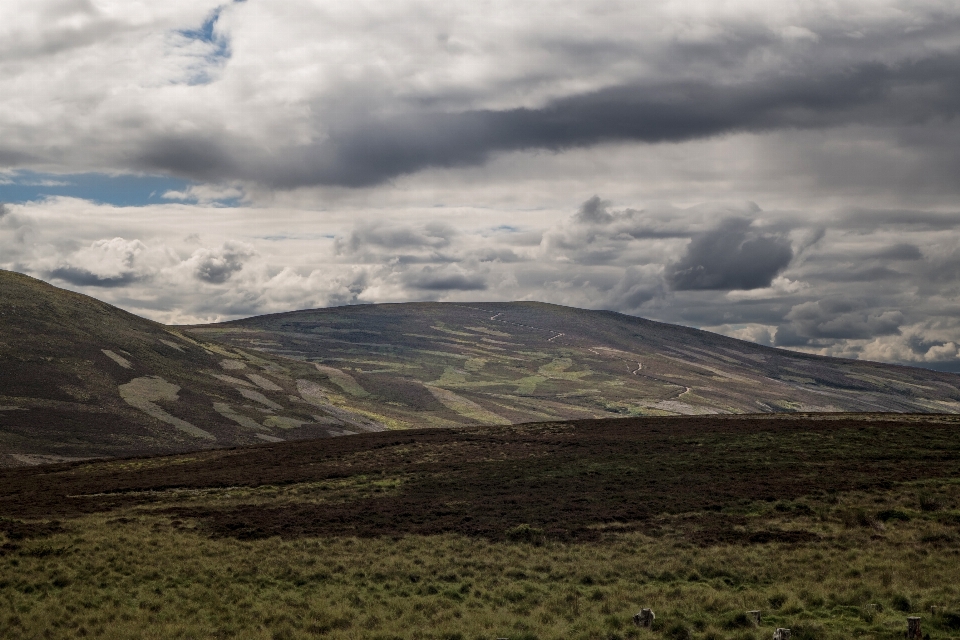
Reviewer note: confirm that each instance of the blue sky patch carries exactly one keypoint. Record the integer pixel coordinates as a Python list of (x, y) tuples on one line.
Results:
[(121, 190), (219, 51)]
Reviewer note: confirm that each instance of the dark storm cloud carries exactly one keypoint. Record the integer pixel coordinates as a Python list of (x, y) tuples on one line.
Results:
[(941, 271), (438, 279), (360, 150), (216, 266), (840, 273), (84, 278), (732, 256), (900, 251), (594, 211), (15, 157), (195, 156), (435, 235), (872, 219), (836, 319), (633, 290)]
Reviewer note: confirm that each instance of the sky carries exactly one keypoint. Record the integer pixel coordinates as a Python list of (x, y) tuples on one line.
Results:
[(781, 172)]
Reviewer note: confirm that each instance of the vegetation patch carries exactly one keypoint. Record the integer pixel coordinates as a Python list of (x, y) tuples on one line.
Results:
[(465, 407), (142, 393), (120, 360), (343, 380)]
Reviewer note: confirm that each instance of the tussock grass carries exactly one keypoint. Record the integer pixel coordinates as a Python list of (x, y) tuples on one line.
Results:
[(142, 573), (549, 531)]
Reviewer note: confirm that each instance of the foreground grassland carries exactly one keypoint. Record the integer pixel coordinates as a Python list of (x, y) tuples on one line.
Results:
[(833, 528)]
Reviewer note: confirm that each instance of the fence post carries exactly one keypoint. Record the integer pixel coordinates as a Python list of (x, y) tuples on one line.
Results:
[(913, 628), (754, 617)]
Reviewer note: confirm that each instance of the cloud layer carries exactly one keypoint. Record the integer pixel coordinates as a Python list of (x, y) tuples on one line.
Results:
[(299, 94)]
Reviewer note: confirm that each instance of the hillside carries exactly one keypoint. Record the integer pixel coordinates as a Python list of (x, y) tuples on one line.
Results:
[(80, 378), (443, 364)]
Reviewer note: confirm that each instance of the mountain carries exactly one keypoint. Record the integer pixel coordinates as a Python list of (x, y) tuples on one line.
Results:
[(417, 364), (80, 378)]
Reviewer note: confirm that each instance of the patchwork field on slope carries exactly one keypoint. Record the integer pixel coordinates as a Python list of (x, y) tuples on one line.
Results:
[(441, 364), (80, 378), (835, 527)]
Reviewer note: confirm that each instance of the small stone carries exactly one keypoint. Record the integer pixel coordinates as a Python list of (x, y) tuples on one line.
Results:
[(644, 619)]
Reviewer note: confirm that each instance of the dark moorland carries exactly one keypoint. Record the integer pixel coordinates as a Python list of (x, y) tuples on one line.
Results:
[(836, 526), (563, 478)]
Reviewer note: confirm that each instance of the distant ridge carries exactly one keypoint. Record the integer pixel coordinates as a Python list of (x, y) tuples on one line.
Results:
[(80, 378)]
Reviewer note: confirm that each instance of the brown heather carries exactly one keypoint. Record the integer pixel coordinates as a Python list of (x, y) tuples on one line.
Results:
[(835, 528)]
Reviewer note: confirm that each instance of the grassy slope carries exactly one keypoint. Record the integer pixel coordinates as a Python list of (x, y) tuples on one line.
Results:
[(537, 531), (60, 393), (526, 361)]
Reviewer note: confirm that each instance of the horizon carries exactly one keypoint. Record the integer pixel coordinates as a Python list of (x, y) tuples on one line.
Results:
[(780, 175), (943, 368)]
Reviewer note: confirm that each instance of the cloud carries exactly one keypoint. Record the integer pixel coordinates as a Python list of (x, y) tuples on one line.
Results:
[(899, 251), (836, 319), (638, 286), (732, 256), (444, 279), (367, 147), (206, 194), (214, 46), (757, 333), (216, 266), (105, 263), (870, 274), (780, 287), (857, 219), (811, 238), (432, 236), (290, 95), (496, 254), (594, 211), (84, 278)]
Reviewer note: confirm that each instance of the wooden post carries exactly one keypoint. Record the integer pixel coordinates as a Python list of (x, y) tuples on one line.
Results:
[(913, 628), (644, 619), (754, 617), (781, 634)]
